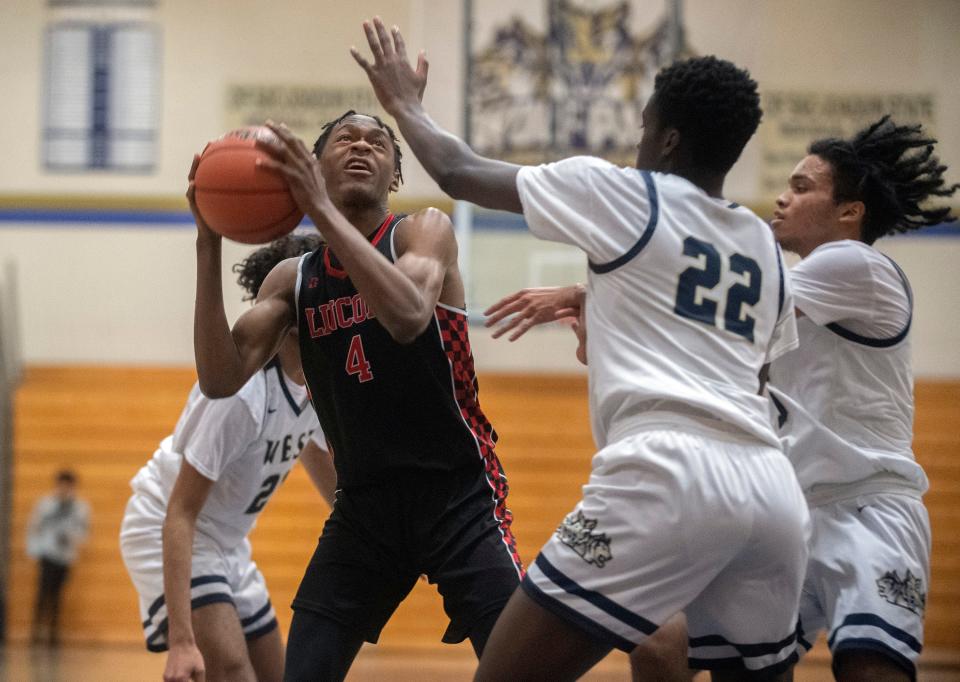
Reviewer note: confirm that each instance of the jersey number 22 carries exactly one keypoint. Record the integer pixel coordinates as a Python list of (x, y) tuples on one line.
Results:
[(706, 275)]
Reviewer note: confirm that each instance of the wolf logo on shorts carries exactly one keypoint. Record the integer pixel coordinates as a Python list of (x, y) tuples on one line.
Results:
[(576, 533), (907, 593)]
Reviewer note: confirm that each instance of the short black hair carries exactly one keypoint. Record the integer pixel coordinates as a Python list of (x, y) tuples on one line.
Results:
[(713, 104), (66, 476), (253, 269), (330, 125), (892, 169)]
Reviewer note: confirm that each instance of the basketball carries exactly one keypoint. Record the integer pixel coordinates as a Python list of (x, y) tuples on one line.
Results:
[(239, 199)]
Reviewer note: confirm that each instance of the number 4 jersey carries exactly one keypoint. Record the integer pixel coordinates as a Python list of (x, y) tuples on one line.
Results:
[(687, 297), (385, 407), (246, 444)]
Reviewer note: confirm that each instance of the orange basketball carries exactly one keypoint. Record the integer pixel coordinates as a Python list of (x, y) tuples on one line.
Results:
[(239, 199)]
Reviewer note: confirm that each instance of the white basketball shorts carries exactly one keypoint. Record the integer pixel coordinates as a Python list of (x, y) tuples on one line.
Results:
[(867, 576), (218, 575), (695, 520)]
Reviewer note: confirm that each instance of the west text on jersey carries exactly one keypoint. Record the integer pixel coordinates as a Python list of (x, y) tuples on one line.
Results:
[(286, 448)]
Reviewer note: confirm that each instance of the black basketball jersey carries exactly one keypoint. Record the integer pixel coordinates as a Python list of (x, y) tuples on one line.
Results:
[(386, 407)]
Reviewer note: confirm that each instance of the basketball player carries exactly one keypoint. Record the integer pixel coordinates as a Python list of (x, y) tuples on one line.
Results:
[(690, 505), (184, 533), (379, 309), (845, 398)]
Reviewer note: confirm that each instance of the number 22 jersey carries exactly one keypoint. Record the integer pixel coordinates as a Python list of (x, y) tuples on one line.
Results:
[(388, 408), (687, 297)]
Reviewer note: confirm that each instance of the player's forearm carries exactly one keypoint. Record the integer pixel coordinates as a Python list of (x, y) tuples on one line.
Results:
[(178, 530), (400, 306), (454, 166), (319, 466), (218, 362)]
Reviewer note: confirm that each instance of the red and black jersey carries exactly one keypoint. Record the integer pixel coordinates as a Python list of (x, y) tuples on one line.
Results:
[(388, 408)]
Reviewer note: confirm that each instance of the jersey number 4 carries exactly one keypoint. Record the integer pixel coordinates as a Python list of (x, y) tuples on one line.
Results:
[(357, 363), (706, 275)]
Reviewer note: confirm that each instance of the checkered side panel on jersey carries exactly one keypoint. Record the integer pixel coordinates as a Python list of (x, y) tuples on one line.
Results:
[(456, 344)]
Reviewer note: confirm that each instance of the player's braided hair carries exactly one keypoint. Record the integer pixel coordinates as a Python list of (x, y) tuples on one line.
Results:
[(713, 104), (330, 125), (253, 269), (892, 169)]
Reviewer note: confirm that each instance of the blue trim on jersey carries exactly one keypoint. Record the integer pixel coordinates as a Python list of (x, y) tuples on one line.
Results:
[(867, 644), (205, 600), (194, 582), (601, 602), (571, 615), (603, 268), (260, 632), (249, 620), (880, 343), (735, 663), (297, 409), (747, 650), (876, 621)]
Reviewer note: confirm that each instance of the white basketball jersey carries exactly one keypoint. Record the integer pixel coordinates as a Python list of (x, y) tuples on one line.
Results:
[(246, 444), (846, 395), (686, 297)]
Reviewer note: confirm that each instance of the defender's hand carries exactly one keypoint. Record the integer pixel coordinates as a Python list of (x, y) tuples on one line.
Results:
[(531, 307), (394, 81)]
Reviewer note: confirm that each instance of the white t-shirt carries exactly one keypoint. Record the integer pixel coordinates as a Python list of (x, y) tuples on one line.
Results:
[(687, 296), (246, 444), (846, 395)]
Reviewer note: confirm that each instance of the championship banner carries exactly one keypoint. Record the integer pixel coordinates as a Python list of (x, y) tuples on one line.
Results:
[(556, 78), (794, 119), (304, 108)]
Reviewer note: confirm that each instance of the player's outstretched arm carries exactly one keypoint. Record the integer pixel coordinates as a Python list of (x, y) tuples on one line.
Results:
[(184, 662), (227, 358), (403, 296), (527, 308), (458, 170), (318, 464)]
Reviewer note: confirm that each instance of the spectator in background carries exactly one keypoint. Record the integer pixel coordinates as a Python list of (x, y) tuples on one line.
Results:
[(58, 526)]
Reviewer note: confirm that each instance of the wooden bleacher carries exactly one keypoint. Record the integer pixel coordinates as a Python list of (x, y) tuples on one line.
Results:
[(105, 422)]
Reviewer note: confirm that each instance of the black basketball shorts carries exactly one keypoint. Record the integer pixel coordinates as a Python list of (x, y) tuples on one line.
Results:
[(452, 527)]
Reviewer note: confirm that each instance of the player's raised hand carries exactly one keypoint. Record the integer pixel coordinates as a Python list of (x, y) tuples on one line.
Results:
[(290, 158), (527, 308), (394, 81)]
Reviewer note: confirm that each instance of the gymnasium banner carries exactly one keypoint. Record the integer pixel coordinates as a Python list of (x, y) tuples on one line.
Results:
[(554, 78), (304, 108), (793, 119)]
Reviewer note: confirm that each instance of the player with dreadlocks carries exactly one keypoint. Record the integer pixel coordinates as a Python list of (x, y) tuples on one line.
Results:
[(379, 313), (690, 506), (844, 399), (184, 533)]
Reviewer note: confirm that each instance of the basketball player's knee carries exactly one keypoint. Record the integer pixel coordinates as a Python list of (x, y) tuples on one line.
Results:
[(663, 656), (867, 666), (232, 665)]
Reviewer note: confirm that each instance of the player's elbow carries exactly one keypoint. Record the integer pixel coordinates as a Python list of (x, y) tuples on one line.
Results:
[(218, 387), (452, 181), (406, 329), (404, 334)]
